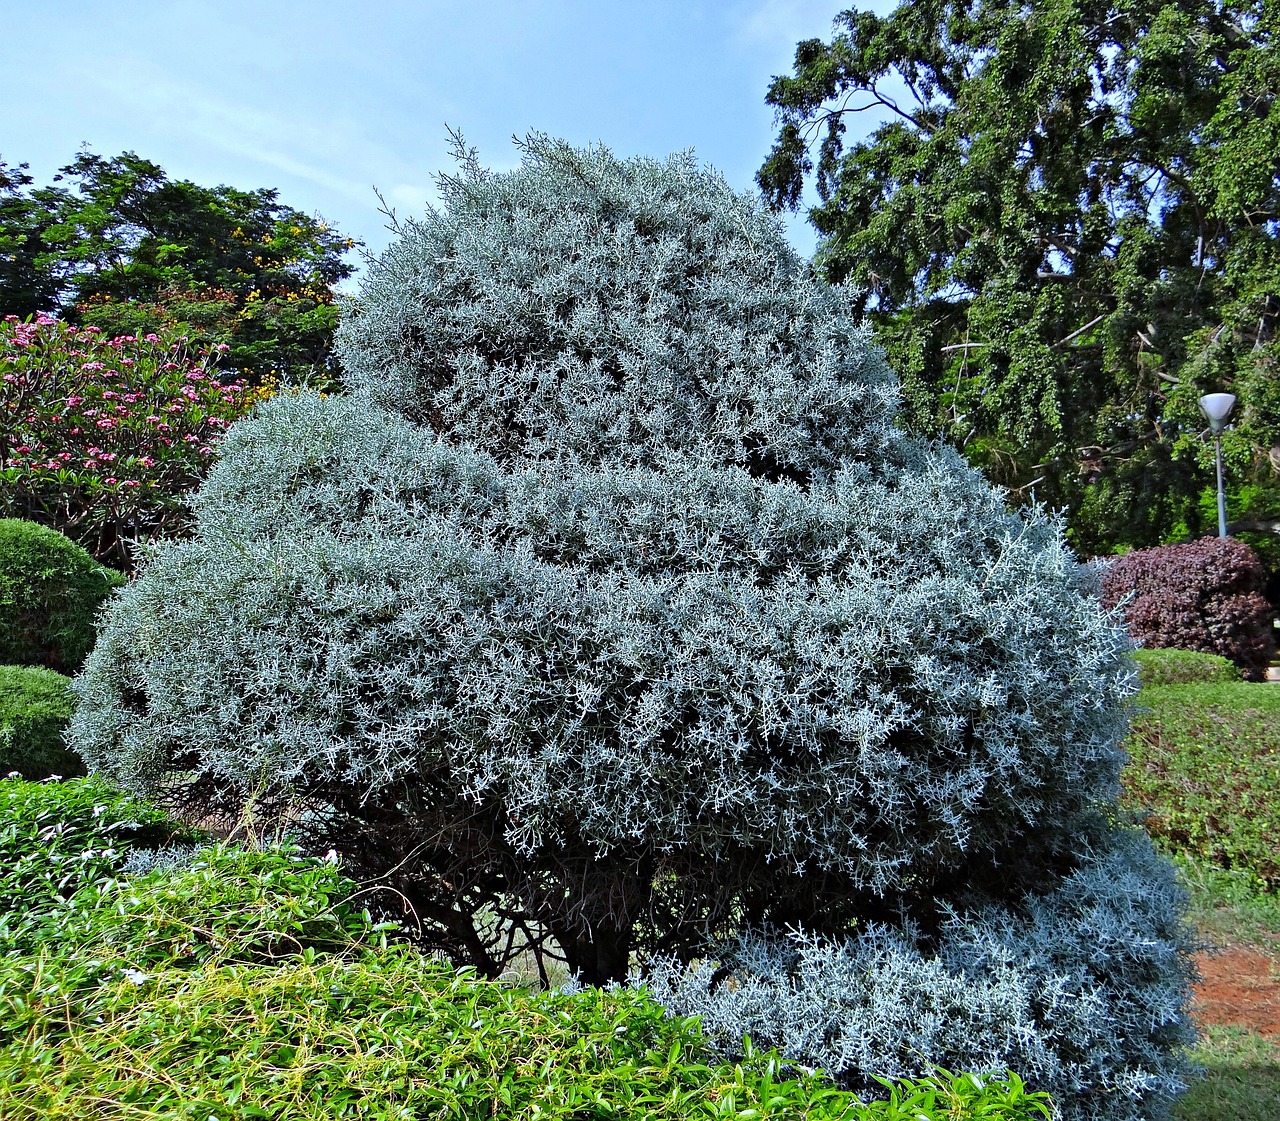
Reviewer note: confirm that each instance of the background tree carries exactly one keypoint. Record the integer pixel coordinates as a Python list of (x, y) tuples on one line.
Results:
[(26, 287), (611, 616), (124, 248), (1065, 232)]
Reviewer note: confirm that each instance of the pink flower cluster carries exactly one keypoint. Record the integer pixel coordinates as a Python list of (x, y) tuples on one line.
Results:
[(87, 420)]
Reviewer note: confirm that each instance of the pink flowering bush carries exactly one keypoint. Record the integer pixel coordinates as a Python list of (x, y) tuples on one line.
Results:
[(101, 437)]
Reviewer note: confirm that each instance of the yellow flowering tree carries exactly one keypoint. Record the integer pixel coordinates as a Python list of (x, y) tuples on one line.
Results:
[(131, 251)]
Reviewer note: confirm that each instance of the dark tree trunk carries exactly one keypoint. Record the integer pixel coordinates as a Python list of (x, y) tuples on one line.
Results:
[(598, 955)]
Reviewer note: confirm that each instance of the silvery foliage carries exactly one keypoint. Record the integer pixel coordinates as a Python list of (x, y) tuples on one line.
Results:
[(614, 561), (872, 675), (172, 858), (1081, 991), (640, 312)]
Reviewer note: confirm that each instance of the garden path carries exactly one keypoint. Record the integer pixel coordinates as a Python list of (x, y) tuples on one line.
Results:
[(1240, 987)]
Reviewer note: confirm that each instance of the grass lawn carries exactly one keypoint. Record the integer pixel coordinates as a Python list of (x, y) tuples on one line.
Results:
[(1206, 769), (1241, 1079), (1206, 765)]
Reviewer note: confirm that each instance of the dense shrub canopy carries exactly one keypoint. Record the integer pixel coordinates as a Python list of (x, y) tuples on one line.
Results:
[(1206, 595), (611, 613), (637, 312), (1183, 667), (50, 593), (35, 708), (1102, 950)]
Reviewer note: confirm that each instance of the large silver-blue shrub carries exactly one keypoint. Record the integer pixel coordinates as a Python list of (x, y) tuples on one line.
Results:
[(1081, 989), (609, 614)]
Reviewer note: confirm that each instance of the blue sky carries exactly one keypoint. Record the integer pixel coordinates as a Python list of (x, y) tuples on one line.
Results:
[(324, 100)]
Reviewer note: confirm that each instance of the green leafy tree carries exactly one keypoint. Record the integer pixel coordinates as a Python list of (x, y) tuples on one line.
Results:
[(1065, 232), (131, 251), (25, 286)]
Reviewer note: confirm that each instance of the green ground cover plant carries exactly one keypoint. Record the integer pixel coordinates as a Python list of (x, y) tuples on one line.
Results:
[(55, 837), (1206, 769), (254, 985), (35, 708)]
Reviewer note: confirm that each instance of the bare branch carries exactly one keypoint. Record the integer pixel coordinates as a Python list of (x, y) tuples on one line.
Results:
[(1080, 330)]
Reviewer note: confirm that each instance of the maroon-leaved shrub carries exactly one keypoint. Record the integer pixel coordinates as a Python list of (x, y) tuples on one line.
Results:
[(1206, 595)]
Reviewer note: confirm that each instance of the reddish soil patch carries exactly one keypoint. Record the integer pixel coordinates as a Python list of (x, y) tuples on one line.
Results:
[(1240, 988)]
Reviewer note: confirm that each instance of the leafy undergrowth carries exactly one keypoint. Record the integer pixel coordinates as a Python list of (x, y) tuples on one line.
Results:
[(1206, 769), (249, 985), (1230, 906)]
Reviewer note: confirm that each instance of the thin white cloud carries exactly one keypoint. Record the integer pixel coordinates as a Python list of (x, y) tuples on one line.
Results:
[(316, 155), (781, 24)]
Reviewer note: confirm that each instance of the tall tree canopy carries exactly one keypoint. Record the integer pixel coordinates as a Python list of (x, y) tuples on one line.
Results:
[(1065, 232), (123, 247), (25, 286)]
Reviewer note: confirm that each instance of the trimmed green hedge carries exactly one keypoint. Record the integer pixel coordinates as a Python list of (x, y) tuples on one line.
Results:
[(252, 985), (35, 707), (1206, 767), (50, 592), (1183, 667)]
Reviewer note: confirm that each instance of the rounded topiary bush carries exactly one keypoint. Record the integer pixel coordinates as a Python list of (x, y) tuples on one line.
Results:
[(611, 616), (35, 708), (50, 594), (587, 310), (1205, 595)]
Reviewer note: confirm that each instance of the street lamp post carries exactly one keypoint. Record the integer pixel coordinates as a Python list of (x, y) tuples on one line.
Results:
[(1217, 406)]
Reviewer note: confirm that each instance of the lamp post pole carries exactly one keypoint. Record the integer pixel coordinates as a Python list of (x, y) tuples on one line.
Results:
[(1222, 498), (1217, 406)]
